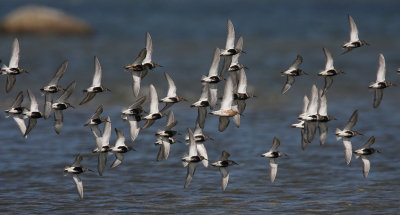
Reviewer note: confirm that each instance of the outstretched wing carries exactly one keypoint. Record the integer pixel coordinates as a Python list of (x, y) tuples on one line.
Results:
[(224, 177), (352, 121), (79, 185), (14, 59), (381, 73), (230, 35), (60, 72), (289, 82), (295, 65), (353, 29), (329, 59)]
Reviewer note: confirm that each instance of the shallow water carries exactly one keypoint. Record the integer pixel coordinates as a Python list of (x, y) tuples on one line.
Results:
[(185, 34)]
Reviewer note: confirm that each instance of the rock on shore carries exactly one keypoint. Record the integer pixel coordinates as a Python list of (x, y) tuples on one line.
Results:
[(34, 19)]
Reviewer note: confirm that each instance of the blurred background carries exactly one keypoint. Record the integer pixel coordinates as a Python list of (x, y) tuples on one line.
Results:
[(185, 34)]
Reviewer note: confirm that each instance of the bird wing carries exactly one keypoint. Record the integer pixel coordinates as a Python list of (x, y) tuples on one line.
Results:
[(227, 99), (190, 172), (10, 82), (120, 138), (239, 46), (328, 83), (352, 121), (139, 59), (274, 169), (160, 154), (101, 162), (353, 29), (79, 185), (329, 59), (204, 91), (212, 99), (224, 177), (223, 123), (58, 120), (347, 150), (192, 144), (88, 97), (215, 62), (105, 140), (201, 118), (138, 102), (118, 160), (153, 100), (166, 146), (149, 123), (381, 73), (202, 151), (95, 130), (368, 144), (20, 123), (60, 72), (305, 104), (31, 124), (134, 128), (171, 86), (77, 161), (14, 59), (378, 95), (225, 155), (136, 82), (313, 105), (228, 61), (242, 86), (198, 130), (18, 100), (323, 105), (323, 132), (275, 144), (295, 65), (149, 49), (67, 93), (236, 118), (48, 100), (310, 128), (171, 122), (97, 73), (230, 35), (366, 165), (289, 82)]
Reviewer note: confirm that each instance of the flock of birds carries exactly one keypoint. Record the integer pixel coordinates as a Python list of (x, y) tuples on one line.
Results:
[(232, 105)]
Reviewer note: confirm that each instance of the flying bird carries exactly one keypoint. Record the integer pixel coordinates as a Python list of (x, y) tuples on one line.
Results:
[(53, 87), (75, 169), (190, 161), (171, 97), (329, 71), (12, 69), (365, 151), (230, 41), (354, 42), (96, 86), (119, 149), (133, 115), (33, 113), (380, 82), (138, 70), (15, 111), (60, 105), (154, 112), (292, 72), (272, 154), (223, 164)]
